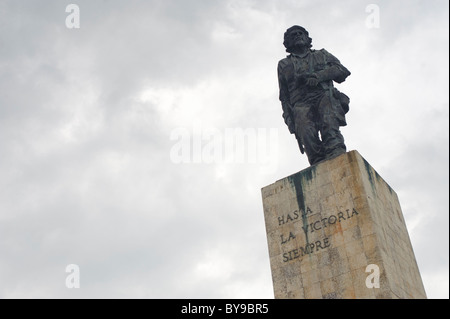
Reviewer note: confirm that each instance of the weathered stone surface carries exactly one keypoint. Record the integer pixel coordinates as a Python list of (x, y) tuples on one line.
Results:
[(327, 223)]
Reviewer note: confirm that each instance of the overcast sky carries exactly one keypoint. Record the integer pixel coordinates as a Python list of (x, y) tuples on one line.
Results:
[(93, 121)]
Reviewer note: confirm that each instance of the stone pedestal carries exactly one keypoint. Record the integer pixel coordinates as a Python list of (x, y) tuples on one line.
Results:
[(336, 230)]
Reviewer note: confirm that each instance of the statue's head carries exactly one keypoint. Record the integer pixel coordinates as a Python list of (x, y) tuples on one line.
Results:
[(296, 36)]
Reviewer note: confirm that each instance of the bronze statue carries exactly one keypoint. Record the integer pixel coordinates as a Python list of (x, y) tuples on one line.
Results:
[(310, 102)]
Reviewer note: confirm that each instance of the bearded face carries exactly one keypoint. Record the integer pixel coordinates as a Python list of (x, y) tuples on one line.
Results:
[(296, 37)]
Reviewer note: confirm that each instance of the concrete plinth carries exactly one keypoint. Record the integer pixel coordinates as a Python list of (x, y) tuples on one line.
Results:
[(336, 230)]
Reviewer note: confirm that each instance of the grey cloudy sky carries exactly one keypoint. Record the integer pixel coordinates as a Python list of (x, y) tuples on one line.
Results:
[(87, 124)]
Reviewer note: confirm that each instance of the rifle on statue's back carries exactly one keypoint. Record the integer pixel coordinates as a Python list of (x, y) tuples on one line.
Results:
[(292, 129), (300, 144)]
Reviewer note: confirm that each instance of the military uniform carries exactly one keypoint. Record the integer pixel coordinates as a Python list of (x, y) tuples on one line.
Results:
[(308, 110)]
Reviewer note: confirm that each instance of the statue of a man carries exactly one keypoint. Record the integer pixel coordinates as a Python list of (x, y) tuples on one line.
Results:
[(310, 102)]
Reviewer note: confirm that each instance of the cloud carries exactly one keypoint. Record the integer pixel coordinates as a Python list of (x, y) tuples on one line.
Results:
[(86, 117)]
